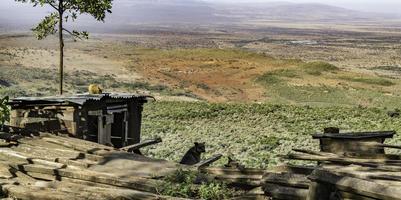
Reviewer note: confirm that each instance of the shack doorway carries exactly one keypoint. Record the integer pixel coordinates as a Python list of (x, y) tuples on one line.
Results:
[(119, 130), (93, 128)]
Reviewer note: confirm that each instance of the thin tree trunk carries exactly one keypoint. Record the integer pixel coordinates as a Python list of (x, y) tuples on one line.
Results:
[(61, 69)]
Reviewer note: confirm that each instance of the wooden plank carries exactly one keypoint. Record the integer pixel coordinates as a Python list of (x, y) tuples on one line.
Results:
[(295, 169), (57, 152), (376, 144), (285, 193), (142, 184), (378, 164), (29, 193), (146, 143), (94, 150), (352, 196), (287, 179), (232, 171), (41, 176), (209, 161), (372, 174), (357, 186), (12, 155)]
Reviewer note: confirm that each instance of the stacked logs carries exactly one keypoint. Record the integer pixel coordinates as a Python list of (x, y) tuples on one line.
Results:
[(350, 166), (57, 167)]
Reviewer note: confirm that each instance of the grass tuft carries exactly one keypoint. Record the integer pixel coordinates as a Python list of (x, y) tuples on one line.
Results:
[(189, 184), (318, 67)]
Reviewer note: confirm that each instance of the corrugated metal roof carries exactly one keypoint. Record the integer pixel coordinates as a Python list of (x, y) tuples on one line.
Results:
[(79, 99)]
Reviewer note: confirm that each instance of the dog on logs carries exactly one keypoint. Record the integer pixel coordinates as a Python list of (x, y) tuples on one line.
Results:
[(94, 89), (193, 155)]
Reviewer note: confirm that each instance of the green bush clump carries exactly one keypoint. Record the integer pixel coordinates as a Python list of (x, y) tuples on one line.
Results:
[(275, 77), (190, 184), (370, 80), (268, 78), (4, 111), (318, 67)]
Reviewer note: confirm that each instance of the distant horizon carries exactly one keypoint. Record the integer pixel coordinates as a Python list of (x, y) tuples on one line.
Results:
[(384, 6), (17, 15)]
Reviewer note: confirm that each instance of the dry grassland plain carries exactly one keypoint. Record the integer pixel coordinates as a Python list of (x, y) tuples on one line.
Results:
[(269, 84)]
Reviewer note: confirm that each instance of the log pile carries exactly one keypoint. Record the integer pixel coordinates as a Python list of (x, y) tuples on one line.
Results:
[(53, 167), (57, 167), (47, 166), (360, 171)]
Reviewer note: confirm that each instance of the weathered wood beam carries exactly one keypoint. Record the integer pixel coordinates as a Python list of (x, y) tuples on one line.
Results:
[(287, 179), (232, 171), (12, 155), (148, 185), (209, 161), (146, 143), (376, 144), (322, 156), (94, 150), (285, 193), (357, 186)]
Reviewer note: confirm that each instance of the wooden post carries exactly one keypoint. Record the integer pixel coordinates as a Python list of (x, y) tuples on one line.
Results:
[(104, 128)]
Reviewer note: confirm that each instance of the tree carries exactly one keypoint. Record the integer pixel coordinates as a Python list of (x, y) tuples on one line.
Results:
[(66, 10)]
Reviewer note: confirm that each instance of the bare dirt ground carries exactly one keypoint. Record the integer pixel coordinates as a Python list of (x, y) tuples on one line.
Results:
[(220, 64)]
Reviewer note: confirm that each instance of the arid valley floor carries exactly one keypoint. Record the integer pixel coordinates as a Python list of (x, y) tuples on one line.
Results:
[(252, 90)]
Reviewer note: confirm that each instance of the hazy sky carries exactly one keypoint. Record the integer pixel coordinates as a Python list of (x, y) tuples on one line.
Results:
[(393, 6)]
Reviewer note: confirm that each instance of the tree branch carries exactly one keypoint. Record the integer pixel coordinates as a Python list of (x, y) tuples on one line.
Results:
[(55, 7), (72, 34)]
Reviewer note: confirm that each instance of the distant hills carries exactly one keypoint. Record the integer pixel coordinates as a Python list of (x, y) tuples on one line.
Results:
[(134, 12), (296, 12), (163, 11), (197, 11)]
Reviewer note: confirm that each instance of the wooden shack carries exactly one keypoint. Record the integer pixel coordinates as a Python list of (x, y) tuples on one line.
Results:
[(105, 118)]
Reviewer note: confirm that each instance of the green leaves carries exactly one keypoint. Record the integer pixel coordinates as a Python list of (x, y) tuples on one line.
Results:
[(46, 27), (96, 8), (4, 110), (69, 9)]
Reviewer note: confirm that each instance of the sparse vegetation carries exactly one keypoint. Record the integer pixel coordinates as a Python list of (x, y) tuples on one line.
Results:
[(44, 82), (370, 80), (268, 78), (256, 134), (392, 68), (317, 68), (275, 76), (188, 184)]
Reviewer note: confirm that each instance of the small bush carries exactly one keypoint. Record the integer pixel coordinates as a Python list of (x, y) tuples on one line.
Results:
[(274, 77), (317, 68), (182, 183), (4, 111), (203, 86), (286, 73), (268, 78)]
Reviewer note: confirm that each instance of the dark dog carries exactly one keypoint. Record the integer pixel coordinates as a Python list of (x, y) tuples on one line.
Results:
[(193, 155)]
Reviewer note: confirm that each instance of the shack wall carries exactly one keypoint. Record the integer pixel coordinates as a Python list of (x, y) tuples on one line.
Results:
[(49, 118)]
